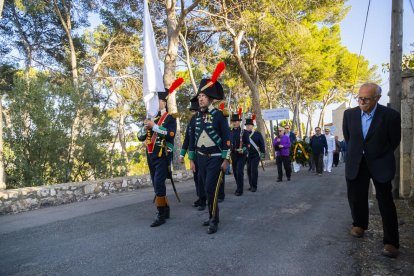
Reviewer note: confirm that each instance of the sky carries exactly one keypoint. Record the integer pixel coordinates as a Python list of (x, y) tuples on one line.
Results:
[(376, 46)]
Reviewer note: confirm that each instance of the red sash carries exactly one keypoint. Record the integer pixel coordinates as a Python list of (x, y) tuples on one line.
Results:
[(151, 143)]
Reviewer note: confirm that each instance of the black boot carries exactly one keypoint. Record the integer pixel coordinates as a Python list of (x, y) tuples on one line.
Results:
[(196, 203), (202, 204), (213, 225), (160, 219), (207, 222), (167, 212)]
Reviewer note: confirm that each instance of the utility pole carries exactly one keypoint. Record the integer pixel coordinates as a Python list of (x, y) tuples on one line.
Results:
[(395, 75), (2, 174)]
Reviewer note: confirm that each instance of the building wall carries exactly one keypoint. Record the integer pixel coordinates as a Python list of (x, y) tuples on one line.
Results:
[(337, 118)]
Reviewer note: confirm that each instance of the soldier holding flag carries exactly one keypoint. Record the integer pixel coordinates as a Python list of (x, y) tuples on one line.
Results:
[(160, 144)]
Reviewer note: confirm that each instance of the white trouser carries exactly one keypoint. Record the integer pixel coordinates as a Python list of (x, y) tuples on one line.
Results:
[(327, 162)]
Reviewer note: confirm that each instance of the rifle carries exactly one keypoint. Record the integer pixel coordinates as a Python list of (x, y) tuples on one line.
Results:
[(242, 124)]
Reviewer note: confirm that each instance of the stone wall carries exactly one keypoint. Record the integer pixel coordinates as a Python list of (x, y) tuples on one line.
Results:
[(24, 199), (407, 135)]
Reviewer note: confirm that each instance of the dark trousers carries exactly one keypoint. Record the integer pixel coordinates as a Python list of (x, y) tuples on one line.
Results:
[(252, 170), (285, 160), (336, 159), (158, 171), (318, 161), (358, 202), (238, 161), (201, 194), (208, 173)]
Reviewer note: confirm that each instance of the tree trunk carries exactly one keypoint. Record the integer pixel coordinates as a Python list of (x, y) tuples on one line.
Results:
[(65, 21), (321, 116), (2, 173), (188, 63), (254, 91), (169, 74), (122, 140), (298, 120)]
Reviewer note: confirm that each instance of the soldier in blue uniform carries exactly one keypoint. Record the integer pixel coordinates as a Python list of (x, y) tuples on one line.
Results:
[(239, 142), (256, 153), (200, 203), (160, 143), (210, 142)]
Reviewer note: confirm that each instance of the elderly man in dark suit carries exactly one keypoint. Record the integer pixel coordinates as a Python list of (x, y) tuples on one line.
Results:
[(372, 133)]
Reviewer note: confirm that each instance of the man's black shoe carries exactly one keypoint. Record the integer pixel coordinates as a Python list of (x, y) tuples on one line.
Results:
[(206, 223), (250, 188), (254, 190), (201, 207), (220, 199), (279, 180), (196, 203), (212, 229), (238, 193), (288, 179)]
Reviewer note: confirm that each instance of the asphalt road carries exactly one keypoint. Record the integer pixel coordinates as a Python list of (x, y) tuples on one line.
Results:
[(298, 227)]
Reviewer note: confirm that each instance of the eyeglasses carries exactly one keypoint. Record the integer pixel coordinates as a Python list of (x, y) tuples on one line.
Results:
[(287, 128), (365, 100)]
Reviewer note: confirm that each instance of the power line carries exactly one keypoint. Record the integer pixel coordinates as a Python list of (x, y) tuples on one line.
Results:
[(362, 42), (412, 7), (360, 50)]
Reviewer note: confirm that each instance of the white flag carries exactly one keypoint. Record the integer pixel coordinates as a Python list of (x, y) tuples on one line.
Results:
[(152, 82)]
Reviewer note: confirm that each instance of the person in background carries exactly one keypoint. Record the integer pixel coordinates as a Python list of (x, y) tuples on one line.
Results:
[(256, 152), (239, 142), (344, 149), (290, 134), (336, 152), (282, 150), (200, 203), (328, 160), (319, 147)]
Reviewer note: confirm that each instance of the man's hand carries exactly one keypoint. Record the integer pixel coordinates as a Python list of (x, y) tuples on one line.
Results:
[(239, 150), (148, 124), (181, 160), (280, 146), (192, 166), (225, 165)]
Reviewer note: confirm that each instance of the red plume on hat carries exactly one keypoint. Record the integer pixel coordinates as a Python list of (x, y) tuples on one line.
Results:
[(240, 112), (254, 117), (221, 106), (175, 85), (216, 74)]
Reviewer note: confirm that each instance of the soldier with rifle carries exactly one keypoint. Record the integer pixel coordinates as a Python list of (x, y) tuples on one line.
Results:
[(239, 142), (159, 140), (256, 153), (210, 142)]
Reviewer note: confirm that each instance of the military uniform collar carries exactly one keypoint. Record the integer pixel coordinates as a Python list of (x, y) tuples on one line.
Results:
[(162, 111), (210, 108)]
